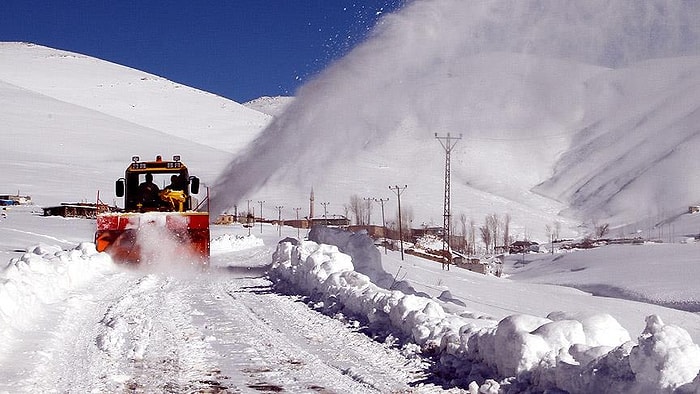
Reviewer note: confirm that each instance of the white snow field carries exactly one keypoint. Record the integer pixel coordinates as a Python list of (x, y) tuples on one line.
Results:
[(71, 320), (572, 114)]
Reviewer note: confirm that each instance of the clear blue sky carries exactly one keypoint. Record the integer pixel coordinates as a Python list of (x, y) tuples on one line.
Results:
[(239, 49)]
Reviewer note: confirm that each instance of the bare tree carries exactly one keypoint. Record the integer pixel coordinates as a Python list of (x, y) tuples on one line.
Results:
[(471, 247), (486, 236), (557, 229), (506, 230), (464, 243), (357, 207), (494, 225), (368, 207), (406, 219)]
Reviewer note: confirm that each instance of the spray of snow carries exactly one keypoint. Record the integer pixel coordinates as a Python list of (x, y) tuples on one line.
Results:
[(162, 249), (439, 65)]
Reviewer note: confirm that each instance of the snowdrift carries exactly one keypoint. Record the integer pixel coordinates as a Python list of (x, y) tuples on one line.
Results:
[(43, 275), (576, 353)]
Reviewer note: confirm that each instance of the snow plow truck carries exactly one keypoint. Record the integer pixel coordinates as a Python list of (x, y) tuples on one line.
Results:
[(161, 218)]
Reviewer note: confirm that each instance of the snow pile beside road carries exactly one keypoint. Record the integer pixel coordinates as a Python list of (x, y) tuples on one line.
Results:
[(366, 258), (591, 353), (44, 275)]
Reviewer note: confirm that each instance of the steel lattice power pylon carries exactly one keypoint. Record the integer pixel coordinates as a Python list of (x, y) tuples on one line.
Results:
[(448, 143)]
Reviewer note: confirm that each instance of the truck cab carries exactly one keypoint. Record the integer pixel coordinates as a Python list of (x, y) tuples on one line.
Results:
[(159, 185)]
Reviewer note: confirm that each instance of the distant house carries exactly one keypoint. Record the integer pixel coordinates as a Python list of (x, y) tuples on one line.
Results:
[(78, 210), (15, 199), (694, 209), (523, 247), (372, 230), (335, 220), (225, 219)]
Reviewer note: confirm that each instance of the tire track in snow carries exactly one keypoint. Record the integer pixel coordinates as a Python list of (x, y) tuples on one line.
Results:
[(149, 337), (272, 342), (222, 330), (127, 333)]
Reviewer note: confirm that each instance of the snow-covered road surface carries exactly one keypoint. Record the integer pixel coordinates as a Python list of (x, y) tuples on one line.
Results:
[(73, 321), (221, 329), (109, 328)]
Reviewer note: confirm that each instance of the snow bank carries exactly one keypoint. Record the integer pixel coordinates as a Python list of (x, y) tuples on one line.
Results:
[(44, 275), (365, 256), (577, 353)]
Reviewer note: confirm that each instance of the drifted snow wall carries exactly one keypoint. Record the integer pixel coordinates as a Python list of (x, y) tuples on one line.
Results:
[(44, 275), (360, 246), (567, 352)]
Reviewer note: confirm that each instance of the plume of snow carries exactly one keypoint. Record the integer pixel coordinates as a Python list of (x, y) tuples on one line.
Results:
[(422, 70)]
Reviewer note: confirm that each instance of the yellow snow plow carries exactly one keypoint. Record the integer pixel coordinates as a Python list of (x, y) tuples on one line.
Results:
[(160, 219)]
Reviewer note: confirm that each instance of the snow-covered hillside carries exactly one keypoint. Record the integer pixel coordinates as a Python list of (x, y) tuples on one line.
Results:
[(273, 106), (548, 135), (599, 129), (70, 116), (635, 154), (556, 116)]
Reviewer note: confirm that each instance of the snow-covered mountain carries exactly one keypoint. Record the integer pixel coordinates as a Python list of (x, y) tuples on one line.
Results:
[(273, 106), (584, 109), (72, 122), (539, 136)]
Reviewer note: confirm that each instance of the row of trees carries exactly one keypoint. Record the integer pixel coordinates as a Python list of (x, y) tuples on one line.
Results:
[(494, 233), (492, 236)]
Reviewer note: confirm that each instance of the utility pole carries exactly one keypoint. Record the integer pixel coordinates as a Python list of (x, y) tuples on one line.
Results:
[(261, 214), (279, 219), (325, 212), (382, 201), (311, 207), (298, 223), (448, 143), (398, 191)]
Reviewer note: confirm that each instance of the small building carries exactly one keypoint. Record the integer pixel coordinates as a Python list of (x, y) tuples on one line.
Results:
[(524, 247), (225, 219), (492, 266), (16, 199), (297, 223), (78, 210), (372, 230), (694, 209), (335, 220)]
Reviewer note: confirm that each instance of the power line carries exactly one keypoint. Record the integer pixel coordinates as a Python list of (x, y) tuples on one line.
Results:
[(279, 219), (325, 212), (398, 191), (382, 201), (261, 214), (448, 143), (298, 225)]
